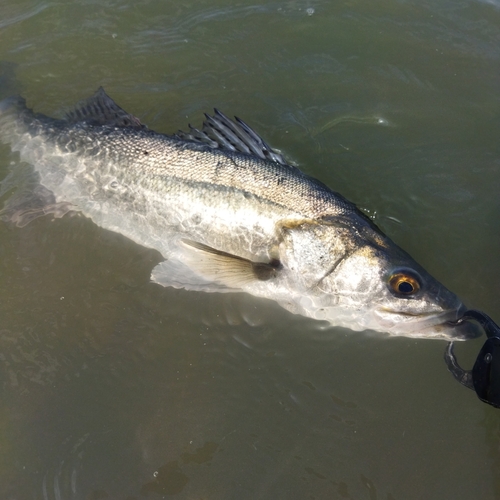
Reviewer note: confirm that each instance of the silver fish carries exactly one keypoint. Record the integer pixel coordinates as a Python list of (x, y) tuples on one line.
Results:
[(229, 214)]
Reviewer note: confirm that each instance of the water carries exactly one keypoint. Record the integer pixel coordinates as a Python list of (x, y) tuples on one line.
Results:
[(115, 388)]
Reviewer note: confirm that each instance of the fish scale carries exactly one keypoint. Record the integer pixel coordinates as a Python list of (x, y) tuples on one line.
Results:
[(145, 156)]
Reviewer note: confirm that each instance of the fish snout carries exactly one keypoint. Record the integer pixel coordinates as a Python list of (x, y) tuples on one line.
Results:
[(431, 325), (453, 330)]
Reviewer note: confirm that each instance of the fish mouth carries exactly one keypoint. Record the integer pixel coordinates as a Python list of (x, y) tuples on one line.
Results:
[(450, 330), (432, 325)]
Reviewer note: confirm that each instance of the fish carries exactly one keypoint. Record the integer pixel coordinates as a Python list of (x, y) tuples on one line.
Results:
[(228, 213)]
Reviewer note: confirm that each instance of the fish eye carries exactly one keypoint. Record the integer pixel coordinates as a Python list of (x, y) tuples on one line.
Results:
[(404, 283)]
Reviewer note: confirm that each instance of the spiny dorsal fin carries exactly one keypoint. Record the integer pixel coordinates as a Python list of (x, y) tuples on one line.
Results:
[(220, 132), (100, 109)]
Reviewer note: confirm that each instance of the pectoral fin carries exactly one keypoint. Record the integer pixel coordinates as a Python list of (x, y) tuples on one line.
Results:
[(199, 267), (226, 268)]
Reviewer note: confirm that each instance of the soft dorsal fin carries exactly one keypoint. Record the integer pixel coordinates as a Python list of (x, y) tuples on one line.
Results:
[(219, 131), (100, 109)]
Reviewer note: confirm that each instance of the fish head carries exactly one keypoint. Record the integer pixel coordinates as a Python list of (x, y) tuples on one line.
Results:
[(352, 275)]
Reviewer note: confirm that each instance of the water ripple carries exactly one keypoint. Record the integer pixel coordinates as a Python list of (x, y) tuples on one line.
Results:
[(10, 14)]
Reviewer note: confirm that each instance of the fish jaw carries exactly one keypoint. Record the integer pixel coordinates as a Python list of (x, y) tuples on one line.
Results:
[(440, 325), (437, 325)]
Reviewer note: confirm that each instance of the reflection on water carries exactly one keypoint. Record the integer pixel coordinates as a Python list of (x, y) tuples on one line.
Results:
[(113, 387)]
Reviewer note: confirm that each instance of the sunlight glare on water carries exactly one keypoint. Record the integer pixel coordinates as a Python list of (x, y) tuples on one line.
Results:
[(114, 387)]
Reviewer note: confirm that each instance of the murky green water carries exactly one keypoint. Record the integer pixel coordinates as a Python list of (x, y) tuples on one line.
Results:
[(115, 388)]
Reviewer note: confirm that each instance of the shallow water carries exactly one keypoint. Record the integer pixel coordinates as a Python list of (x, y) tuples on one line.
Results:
[(113, 387)]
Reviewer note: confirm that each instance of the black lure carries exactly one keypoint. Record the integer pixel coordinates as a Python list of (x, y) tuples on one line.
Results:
[(484, 378)]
